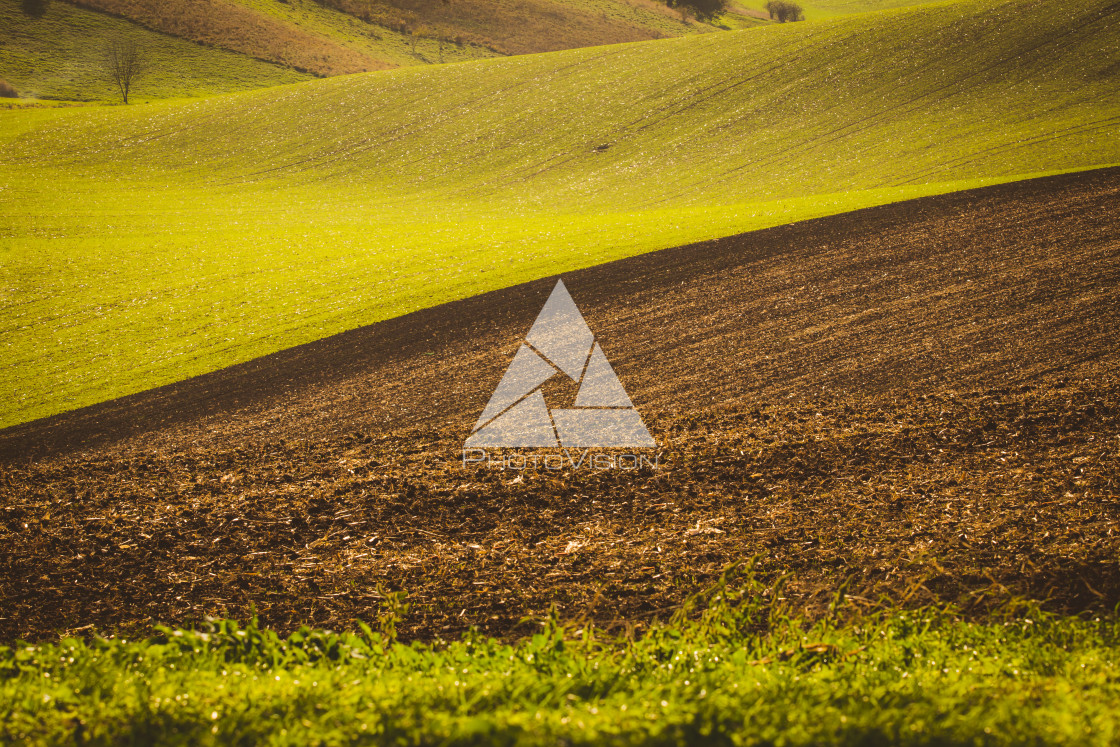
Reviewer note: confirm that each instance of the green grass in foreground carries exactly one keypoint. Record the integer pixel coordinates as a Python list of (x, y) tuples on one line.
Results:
[(142, 245), (743, 673), (60, 56)]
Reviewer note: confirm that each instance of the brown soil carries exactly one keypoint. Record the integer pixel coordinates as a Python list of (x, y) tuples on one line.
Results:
[(920, 399)]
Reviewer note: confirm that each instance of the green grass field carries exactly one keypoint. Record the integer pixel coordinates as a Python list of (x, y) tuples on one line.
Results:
[(742, 673), (145, 244), (55, 51), (60, 56), (378, 42), (817, 9)]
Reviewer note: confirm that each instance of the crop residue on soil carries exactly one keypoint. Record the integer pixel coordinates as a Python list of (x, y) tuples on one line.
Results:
[(920, 398)]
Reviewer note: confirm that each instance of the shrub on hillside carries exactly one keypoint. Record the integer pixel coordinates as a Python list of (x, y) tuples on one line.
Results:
[(34, 8), (784, 10), (7, 91), (705, 10)]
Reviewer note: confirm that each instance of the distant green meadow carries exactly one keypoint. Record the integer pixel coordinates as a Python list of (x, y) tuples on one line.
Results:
[(743, 672), (60, 55), (817, 9), (144, 244)]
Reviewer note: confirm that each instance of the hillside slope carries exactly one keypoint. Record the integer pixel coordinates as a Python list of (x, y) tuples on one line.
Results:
[(216, 231), (817, 9), (54, 48), (349, 36), (59, 54), (919, 399)]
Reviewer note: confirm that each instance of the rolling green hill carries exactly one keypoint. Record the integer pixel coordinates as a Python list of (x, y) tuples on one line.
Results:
[(301, 34), (817, 9), (60, 53), (333, 37), (145, 244), (53, 48)]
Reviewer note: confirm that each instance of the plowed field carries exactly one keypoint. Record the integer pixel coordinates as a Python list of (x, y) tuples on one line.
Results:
[(921, 400)]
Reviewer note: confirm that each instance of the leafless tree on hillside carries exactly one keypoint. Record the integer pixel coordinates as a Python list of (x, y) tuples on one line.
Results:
[(125, 60)]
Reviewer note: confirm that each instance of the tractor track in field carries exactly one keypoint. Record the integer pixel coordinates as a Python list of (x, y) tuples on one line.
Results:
[(921, 399)]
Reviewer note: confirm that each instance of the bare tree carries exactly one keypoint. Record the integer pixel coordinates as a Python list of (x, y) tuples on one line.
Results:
[(125, 61)]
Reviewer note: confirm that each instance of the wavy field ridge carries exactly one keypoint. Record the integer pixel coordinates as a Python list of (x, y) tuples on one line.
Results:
[(339, 37), (148, 244)]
